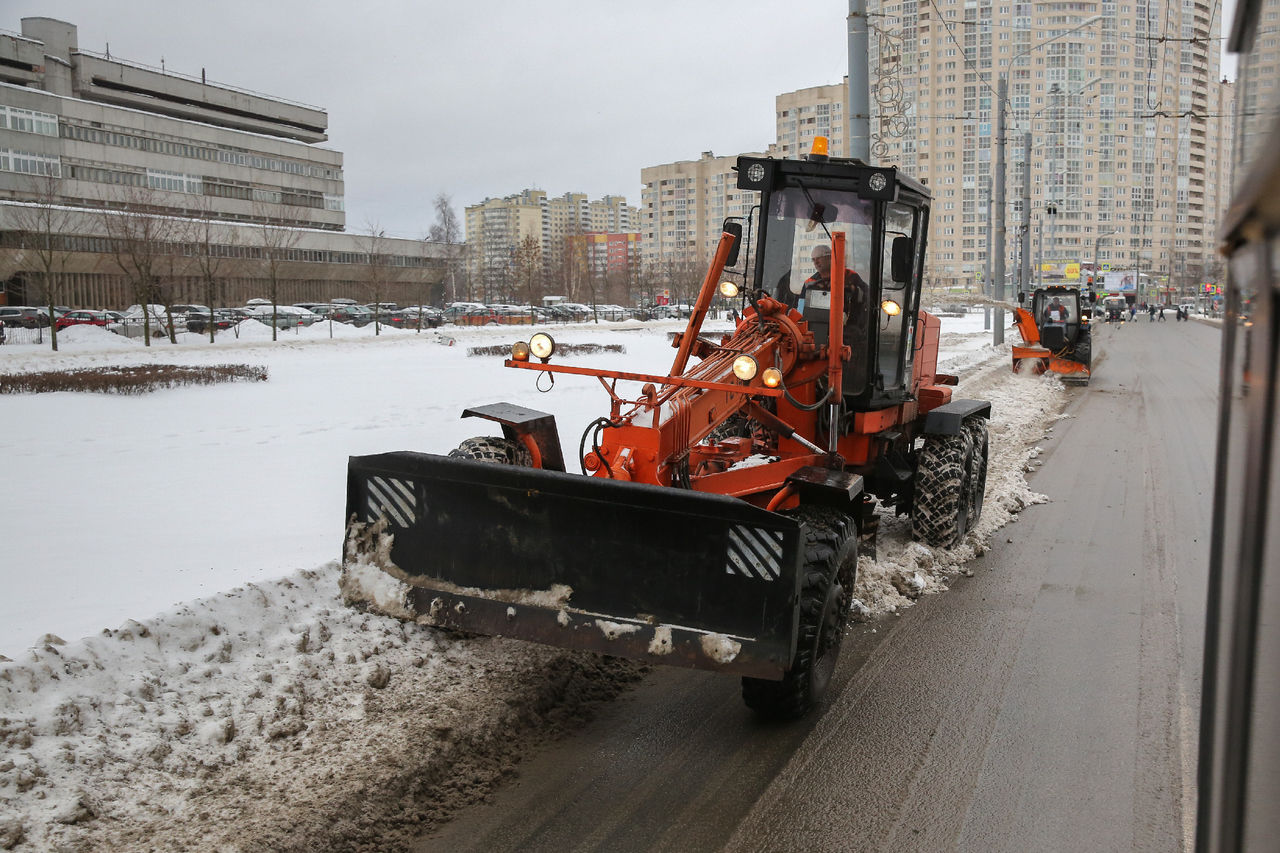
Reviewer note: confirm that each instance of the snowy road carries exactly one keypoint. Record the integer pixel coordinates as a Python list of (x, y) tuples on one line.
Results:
[(1047, 703)]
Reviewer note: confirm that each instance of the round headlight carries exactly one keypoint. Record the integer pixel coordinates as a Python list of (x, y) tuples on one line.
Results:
[(891, 308), (728, 289), (519, 351), (755, 173), (542, 345), (745, 367), (877, 181), (772, 377)]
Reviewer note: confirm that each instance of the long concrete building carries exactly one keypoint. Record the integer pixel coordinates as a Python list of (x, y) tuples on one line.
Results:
[(94, 133)]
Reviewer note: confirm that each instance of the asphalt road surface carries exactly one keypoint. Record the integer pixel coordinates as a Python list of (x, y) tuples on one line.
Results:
[(1047, 703)]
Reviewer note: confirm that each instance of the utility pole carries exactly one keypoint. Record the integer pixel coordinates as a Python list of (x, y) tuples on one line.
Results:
[(986, 282), (997, 271), (857, 115), (1025, 278)]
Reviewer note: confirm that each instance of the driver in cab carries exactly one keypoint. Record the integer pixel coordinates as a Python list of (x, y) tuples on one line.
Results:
[(1055, 312), (856, 289)]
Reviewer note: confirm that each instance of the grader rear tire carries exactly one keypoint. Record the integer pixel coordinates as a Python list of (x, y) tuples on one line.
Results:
[(500, 451), (977, 429), (829, 571), (944, 475)]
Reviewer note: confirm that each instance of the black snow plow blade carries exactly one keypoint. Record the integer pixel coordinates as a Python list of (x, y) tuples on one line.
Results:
[(663, 575)]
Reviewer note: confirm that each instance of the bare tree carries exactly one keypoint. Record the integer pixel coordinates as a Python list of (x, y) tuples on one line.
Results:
[(210, 255), (374, 244), (527, 264), (448, 232), (138, 240), (276, 241), (44, 226)]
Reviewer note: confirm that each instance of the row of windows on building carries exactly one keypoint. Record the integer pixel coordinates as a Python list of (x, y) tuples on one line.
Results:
[(110, 245), (28, 121), (159, 144), (43, 165), (29, 163)]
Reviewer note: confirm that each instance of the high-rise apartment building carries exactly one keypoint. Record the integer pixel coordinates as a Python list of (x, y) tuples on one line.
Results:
[(1129, 127), (1118, 98), (683, 206), (802, 115), (499, 229)]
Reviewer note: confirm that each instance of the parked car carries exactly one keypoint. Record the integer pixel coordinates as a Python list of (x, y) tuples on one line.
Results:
[(469, 314), (613, 312), (354, 315), (286, 316), (407, 318), (223, 318), (86, 317), (23, 316), (138, 317), (383, 307), (58, 311)]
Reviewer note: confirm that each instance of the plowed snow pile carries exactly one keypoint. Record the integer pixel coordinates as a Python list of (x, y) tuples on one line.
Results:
[(274, 717)]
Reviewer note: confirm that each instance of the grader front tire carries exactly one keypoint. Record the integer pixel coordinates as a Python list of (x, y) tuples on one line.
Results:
[(829, 571)]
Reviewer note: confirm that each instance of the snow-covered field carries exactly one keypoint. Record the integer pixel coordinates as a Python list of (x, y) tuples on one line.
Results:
[(184, 674)]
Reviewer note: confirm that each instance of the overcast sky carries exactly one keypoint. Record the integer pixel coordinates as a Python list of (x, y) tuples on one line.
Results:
[(480, 100), (484, 100)]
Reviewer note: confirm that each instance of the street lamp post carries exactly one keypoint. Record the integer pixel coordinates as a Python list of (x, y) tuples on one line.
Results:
[(1002, 96), (1097, 247)]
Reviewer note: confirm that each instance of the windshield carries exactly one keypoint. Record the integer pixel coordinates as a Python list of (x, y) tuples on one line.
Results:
[(1058, 308), (797, 263), (800, 220)]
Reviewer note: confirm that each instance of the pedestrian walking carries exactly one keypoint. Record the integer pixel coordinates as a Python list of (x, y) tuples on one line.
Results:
[(1151, 313), (1161, 313)]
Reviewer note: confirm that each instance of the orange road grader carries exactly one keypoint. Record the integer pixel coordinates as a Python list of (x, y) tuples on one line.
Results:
[(722, 507), (1055, 333)]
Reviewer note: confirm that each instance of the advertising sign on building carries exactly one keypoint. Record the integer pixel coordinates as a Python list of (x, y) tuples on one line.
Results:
[(1068, 270), (1120, 281)]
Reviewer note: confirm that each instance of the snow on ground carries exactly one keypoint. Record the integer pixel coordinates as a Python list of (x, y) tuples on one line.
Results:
[(256, 711)]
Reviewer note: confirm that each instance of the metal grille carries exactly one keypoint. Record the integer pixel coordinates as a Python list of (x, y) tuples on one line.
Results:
[(392, 499), (754, 553)]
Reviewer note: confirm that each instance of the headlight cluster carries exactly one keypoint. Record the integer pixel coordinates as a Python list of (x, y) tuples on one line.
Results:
[(540, 345), (728, 289)]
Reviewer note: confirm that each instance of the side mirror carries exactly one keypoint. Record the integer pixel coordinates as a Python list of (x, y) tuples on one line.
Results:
[(904, 259), (734, 228)]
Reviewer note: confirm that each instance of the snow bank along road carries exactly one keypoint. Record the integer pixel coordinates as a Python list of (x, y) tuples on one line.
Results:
[(272, 717)]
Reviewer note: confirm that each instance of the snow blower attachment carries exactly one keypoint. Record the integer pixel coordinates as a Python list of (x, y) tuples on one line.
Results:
[(723, 505), (1056, 335)]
